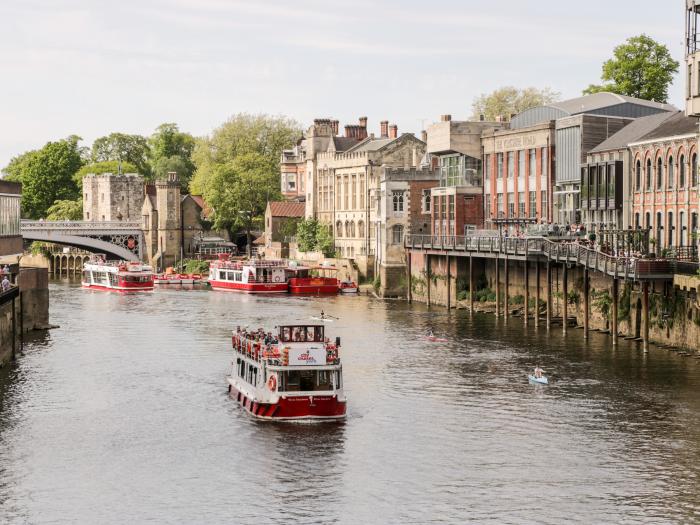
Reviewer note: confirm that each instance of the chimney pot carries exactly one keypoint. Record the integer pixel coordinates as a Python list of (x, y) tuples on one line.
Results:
[(334, 126), (424, 136), (363, 122), (384, 128), (445, 118), (393, 131), (482, 118)]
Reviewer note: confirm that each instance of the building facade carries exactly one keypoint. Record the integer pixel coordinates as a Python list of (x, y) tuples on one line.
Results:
[(10, 235), (112, 197), (162, 222)]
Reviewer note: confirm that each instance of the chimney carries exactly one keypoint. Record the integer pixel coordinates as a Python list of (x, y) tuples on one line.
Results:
[(424, 136), (363, 122), (362, 131), (482, 118), (349, 131), (384, 128), (334, 126), (393, 131), (445, 118)]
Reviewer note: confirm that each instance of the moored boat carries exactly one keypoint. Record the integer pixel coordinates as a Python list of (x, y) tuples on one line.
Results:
[(347, 286), (293, 375), (119, 275), (253, 276), (301, 281)]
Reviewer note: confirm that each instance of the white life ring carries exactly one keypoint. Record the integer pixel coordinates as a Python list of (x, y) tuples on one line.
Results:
[(272, 383), (277, 278)]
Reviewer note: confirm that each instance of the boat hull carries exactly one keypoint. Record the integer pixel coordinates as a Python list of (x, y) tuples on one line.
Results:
[(141, 288), (249, 287), (538, 380), (292, 408)]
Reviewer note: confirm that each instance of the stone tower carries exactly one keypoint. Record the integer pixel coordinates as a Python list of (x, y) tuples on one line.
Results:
[(112, 197), (169, 232)]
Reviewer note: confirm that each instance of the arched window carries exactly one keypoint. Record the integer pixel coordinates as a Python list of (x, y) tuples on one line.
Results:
[(397, 234), (683, 228), (659, 174), (347, 229), (659, 227), (638, 176), (352, 229), (681, 171), (670, 228), (694, 170), (360, 229), (398, 201), (647, 224), (648, 177), (338, 229), (670, 172)]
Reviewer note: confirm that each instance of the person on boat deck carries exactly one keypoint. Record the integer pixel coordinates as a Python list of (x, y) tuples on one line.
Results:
[(538, 371), (430, 333), (323, 315)]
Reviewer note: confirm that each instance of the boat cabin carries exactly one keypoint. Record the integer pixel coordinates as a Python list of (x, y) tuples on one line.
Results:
[(301, 334)]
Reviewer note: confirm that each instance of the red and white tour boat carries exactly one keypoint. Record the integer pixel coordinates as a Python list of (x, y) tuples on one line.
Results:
[(119, 275), (254, 276), (293, 375), (301, 281)]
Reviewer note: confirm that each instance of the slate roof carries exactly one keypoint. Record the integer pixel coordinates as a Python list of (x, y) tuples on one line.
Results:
[(344, 143), (678, 124), (633, 132), (371, 144), (287, 209), (604, 99)]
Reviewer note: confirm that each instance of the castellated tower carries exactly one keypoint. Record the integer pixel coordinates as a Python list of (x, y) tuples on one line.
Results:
[(168, 206), (112, 197)]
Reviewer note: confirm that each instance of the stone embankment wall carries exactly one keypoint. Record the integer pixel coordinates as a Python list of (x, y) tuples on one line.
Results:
[(674, 312)]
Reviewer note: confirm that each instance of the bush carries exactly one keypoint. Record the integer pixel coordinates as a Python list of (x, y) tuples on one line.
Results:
[(462, 295), (193, 266)]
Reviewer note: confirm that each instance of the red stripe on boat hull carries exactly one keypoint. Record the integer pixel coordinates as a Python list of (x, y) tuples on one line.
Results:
[(142, 288), (249, 287), (294, 408)]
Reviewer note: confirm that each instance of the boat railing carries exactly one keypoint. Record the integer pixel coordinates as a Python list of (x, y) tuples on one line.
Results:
[(275, 353)]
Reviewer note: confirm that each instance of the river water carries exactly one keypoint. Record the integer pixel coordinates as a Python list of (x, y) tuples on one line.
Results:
[(121, 415)]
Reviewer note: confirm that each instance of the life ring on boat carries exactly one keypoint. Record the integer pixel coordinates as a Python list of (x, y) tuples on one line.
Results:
[(272, 383), (277, 278)]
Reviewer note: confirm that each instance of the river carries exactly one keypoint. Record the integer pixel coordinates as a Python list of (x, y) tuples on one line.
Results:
[(121, 415)]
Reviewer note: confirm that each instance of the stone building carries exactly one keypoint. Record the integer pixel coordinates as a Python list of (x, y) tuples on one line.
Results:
[(277, 215), (112, 197), (162, 222), (403, 209), (665, 182), (10, 236)]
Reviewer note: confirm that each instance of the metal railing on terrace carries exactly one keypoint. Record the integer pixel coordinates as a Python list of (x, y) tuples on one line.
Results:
[(626, 267)]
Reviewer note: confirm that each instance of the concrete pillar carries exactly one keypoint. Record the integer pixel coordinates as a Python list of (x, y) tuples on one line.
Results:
[(613, 325), (549, 294), (537, 293), (645, 314), (565, 292), (471, 284), (526, 310), (498, 287), (586, 303), (427, 277), (449, 299), (409, 293), (506, 268)]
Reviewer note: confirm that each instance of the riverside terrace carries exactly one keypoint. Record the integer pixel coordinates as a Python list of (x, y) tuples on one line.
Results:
[(458, 256)]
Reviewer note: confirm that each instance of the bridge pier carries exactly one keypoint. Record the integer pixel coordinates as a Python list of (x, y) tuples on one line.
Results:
[(645, 313), (471, 284), (408, 277), (537, 293), (506, 286), (449, 301), (498, 286), (526, 310), (428, 277), (565, 292), (615, 293), (549, 294), (586, 303)]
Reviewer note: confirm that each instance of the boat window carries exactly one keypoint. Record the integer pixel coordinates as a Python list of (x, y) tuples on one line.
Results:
[(285, 333), (310, 334), (319, 333)]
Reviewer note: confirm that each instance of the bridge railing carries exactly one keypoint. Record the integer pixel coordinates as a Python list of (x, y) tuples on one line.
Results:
[(28, 225)]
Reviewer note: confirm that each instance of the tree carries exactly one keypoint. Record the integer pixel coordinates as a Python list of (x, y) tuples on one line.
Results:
[(65, 210), (509, 100), (238, 192), (98, 168), (46, 175), (125, 148), (171, 150), (641, 68), (307, 230), (263, 135)]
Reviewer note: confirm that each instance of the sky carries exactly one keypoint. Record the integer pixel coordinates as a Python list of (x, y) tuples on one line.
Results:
[(92, 67)]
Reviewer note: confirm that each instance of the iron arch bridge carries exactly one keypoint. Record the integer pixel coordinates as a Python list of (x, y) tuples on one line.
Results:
[(116, 239)]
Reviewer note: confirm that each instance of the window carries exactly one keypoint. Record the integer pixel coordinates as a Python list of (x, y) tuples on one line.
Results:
[(426, 201), (638, 176), (511, 205), (521, 163), (659, 174), (544, 161), (544, 204), (681, 225), (648, 175), (681, 172), (636, 220), (338, 229), (451, 204), (499, 166), (669, 175), (694, 170), (521, 204), (397, 234), (533, 162), (499, 205), (487, 205), (397, 199), (361, 229), (511, 164), (533, 204), (487, 169), (670, 228)]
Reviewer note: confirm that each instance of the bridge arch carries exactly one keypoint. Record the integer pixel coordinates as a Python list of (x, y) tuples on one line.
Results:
[(86, 243)]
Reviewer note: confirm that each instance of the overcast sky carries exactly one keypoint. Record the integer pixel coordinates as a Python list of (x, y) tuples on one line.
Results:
[(90, 67)]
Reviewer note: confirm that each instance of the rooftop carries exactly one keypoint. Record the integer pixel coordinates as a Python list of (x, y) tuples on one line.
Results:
[(287, 209), (633, 132)]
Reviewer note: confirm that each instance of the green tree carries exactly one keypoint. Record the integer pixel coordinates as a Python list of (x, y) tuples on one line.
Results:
[(307, 229), (509, 100), (65, 210), (98, 168), (171, 150), (264, 135), (641, 67), (46, 175), (122, 147), (238, 192), (324, 241)]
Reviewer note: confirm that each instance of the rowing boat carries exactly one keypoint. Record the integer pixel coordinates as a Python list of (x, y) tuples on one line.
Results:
[(538, 380)]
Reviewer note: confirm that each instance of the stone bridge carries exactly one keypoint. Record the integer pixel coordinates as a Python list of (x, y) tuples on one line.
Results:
[(116, 239)]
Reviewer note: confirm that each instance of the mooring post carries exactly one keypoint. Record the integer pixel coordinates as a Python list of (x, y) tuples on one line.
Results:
[(449, 299), (645, 311), (506, 287), (527, 292), (428, 276), (471, 284), (549, 294), (565, 291), (21, 322), (586, 303), (408, 276), (498, 286), (537, 293), (615, 293), (14, 329)]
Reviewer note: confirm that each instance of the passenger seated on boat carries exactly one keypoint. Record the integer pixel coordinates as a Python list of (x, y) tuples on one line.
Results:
[(310, 333), (296, 337), (538, 372)]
